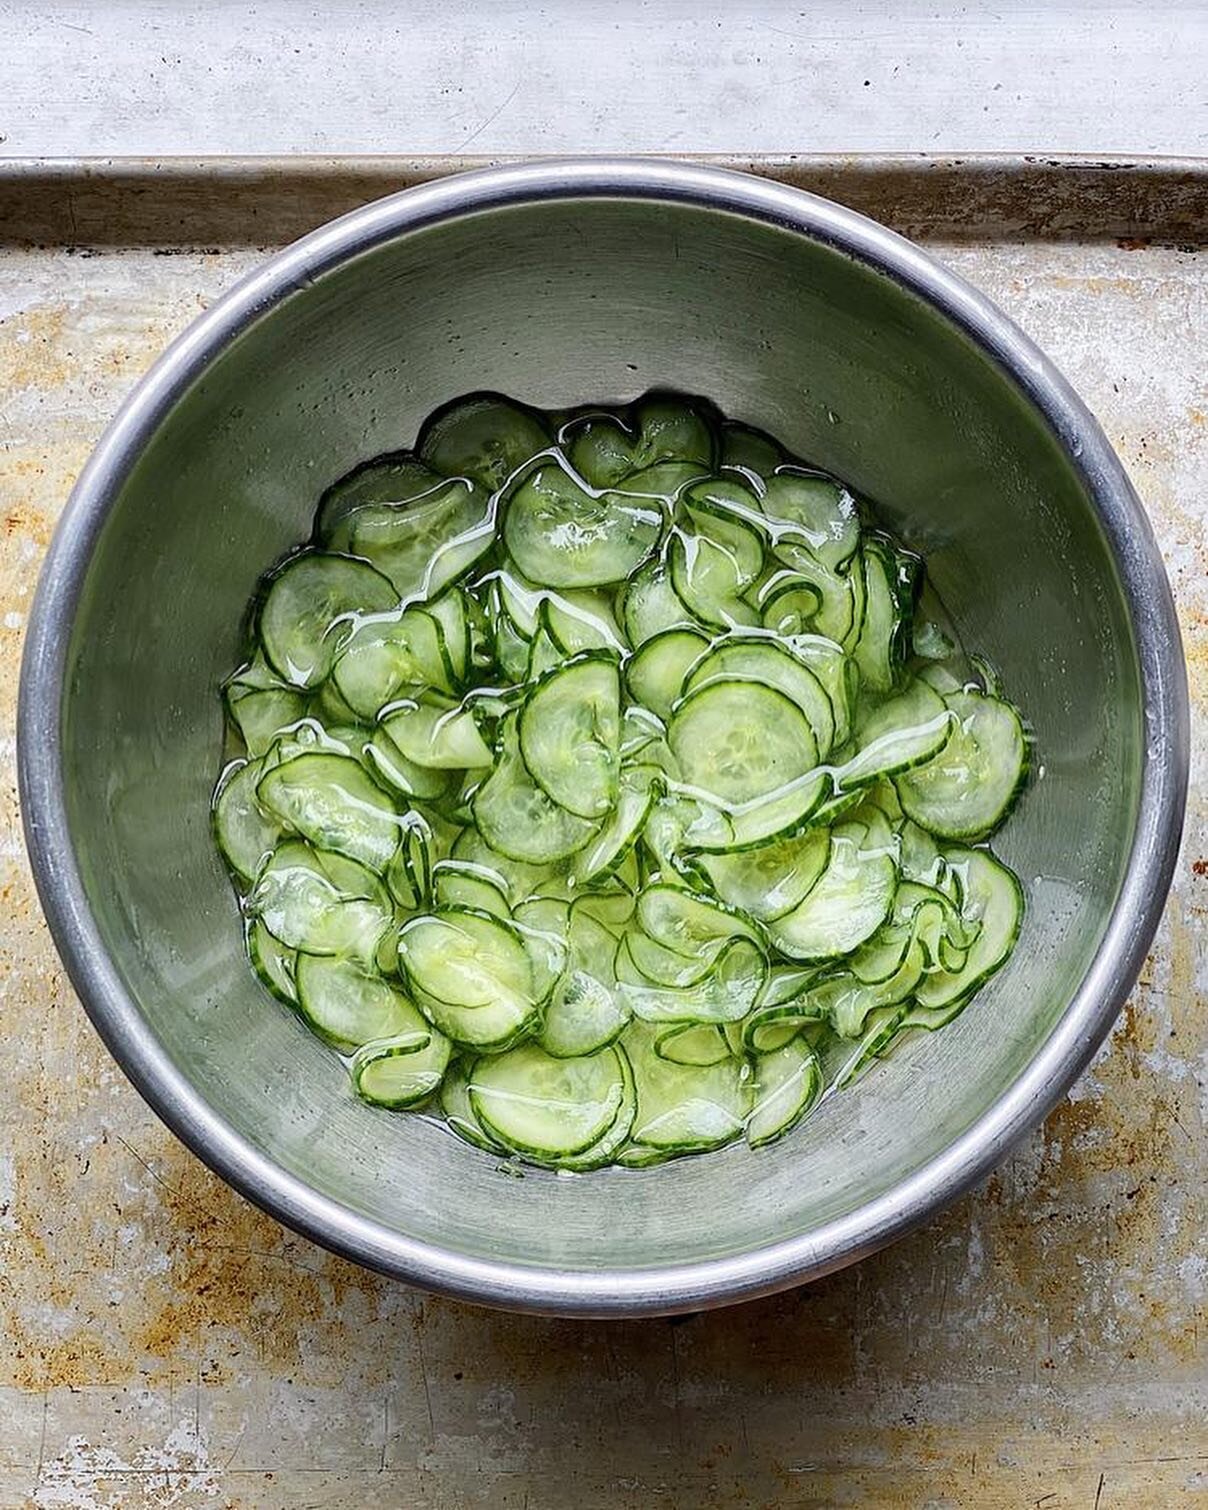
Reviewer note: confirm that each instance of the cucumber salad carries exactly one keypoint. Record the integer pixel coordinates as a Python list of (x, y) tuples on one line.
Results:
[(607, 784)]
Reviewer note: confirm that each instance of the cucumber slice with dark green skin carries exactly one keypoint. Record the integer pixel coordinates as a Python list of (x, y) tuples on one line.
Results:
[(390, 767), (657, 673), (814, 513), (261, 704), (273, 962), (685, 1108), (641, 961), (650, 605), (896, 735), (520, 879), (993, 898), (420, 542), (561, 536), (402, 1071), (330, 800), (487, 438), (880, 648), (604, 852), (348, 1005), (850, 900), (585, 1012), (599, 446), (546, 1107), (738, 741), (457, 884), (245, 831), (456, 1108), (763, 660), (570, 734), (693, 1043), (518, 819), (439, 735), (470, 975), (968, 789), (788, 1083), (311, 609), (772, 880), (672, 429), (395, 481), (580, 620), (752, 450), (687, 923), (708, 577), (320, 903), (726, 994)]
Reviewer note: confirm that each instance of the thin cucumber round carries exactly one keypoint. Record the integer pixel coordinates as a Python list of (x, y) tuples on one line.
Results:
[(544, 1106), (486, 439), (775, 665), (570, 734), (968, 789), (348, 1005), (850, 900), (246, 833), (738, 741), (788, 1082), (330, 800), (516, 817), (657, 673), (402, 1071), (310, 610), (560, 535)]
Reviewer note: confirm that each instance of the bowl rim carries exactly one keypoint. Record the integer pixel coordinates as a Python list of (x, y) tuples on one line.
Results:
[(709, 1282)]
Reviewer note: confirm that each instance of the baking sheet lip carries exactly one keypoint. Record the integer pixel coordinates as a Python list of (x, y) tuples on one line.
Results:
[(266, 200)]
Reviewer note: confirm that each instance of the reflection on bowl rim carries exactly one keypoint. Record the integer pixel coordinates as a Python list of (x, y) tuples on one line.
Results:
[(679, 1287)]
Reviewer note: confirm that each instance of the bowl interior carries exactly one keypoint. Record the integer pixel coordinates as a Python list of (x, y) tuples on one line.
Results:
[(562, 302)]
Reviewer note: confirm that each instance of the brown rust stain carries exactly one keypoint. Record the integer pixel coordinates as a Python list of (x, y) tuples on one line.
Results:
[(33, 354)]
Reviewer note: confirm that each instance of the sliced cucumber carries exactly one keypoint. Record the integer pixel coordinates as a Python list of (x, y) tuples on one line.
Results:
[(601, 855), (471, 976), (813, 511), (273, 962), (320, 903), (599, 446), (738, 741), (685, 1108), (650, 605), (310, 610), (993, 898), (563, 536), (657, 673), (245, 832), (748, 449), (440, 735), (348, 1005), (330, 800), (550, 1108), (880, 647), (687, 923), (570, 734), (518, 819), (772, 880), (404, 1070), (967, 790), (726, 994), (458, 884), (261, 705), (763, 660), (896, 735), (392, 769), (585, 1013), (486, 439), (850, 900), (670, 429), (693, 1043), (458, 1112), (788, 1082)]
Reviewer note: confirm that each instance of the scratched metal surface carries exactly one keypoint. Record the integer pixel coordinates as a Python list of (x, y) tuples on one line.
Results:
[(164, 1344)]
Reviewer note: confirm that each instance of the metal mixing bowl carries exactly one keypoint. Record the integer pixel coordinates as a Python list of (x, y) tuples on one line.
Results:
[(559, 283)]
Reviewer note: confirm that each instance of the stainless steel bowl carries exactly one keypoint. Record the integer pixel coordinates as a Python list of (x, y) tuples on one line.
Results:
[(563, 282)]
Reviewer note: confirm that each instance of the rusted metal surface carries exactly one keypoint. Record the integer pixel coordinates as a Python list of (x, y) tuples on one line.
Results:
[(164, 1344)]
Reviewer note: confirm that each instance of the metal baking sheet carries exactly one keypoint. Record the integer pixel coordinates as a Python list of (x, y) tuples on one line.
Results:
[(1041, 1344)]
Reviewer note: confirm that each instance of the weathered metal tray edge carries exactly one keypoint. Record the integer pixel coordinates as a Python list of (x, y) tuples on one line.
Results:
[(262, 201)]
